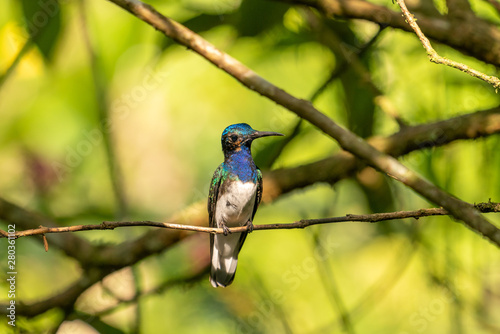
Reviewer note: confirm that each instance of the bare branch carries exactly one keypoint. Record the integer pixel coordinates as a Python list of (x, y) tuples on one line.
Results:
[(371, 218), (276, 182), (72, 245), (304, 109), (107, 225), (103, 255), (435, 58)]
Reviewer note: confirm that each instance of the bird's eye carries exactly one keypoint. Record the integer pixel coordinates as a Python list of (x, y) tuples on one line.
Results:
[(234, 138)]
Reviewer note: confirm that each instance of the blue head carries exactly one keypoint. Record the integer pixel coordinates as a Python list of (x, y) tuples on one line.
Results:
[(238, 136)]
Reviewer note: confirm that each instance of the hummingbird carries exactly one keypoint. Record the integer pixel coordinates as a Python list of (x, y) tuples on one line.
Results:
[(235, 194)]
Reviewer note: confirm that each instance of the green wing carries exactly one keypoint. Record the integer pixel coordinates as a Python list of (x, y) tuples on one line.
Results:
[(214, 194), (258, 196)]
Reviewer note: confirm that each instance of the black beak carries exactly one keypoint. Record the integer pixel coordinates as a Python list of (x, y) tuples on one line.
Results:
[(259, 134)]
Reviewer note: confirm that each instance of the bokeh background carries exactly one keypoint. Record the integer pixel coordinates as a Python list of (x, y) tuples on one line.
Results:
[(103, 118)]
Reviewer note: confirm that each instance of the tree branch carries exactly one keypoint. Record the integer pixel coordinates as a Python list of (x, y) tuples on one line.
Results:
[(304, 109), (474, 37), (72, 245), (371, 218), (152, 241), (436, 58), (102, 255), (276, 183)]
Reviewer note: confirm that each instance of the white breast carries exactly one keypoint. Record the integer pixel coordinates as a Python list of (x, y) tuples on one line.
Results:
[(235, 206)]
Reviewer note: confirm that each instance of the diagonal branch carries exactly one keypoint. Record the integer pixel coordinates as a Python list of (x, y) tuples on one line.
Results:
[(304, 109), (436, 58), (371, 218)]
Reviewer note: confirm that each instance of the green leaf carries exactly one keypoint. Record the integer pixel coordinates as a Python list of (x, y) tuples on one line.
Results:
[(43, 23)]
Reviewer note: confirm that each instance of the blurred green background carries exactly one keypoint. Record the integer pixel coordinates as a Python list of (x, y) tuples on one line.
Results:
[(166, 108)]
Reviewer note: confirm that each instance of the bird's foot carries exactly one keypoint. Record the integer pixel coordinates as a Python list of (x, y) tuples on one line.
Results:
[(225, 229), (249, 226)]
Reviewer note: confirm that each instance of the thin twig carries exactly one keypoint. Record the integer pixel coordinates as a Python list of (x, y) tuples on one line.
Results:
[(436, 58), (370, 218)]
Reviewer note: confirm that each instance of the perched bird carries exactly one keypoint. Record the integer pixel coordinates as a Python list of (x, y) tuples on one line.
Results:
[(235, 194)]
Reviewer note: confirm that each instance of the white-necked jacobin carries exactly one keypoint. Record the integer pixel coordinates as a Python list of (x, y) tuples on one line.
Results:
[(235, 194)]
